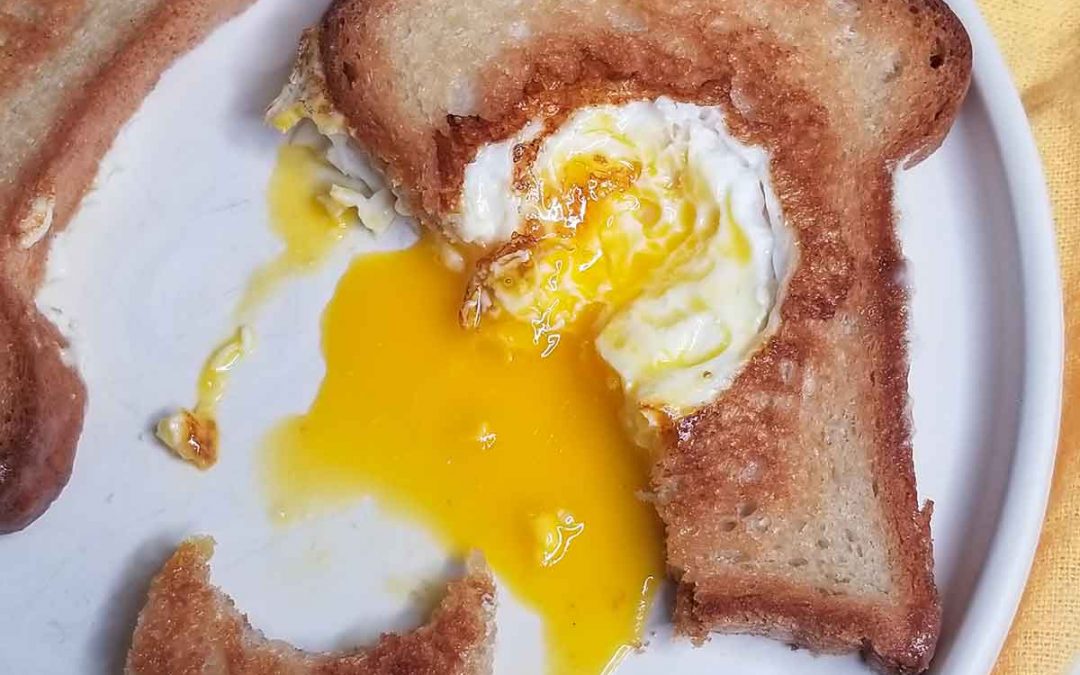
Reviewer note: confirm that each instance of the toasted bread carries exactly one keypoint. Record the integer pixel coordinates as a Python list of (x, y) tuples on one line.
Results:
[(189, 626), (71, 73), (790, 502)]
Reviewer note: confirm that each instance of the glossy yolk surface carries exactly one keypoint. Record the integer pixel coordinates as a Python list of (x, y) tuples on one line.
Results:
[(492, 447), (610, 229), (306, 228), (308, 233)]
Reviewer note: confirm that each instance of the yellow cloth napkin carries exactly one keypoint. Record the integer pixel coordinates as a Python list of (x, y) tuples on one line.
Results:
[(1041, 42)]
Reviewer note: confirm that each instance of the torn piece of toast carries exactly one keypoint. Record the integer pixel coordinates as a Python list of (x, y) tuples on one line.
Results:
[(71, 73), (189, 626), (789, 502)]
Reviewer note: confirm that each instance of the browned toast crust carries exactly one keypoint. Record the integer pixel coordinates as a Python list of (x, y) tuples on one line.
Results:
[(42, 401), (687, 50), (821, 411), (44, 398), (189, 626), (754, 454)]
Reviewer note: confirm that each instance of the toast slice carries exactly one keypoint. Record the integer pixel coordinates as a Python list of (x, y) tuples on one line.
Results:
[(189, 626), (71, 73), (790, 502)]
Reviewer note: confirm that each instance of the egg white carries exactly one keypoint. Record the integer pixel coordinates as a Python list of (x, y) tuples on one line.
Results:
[(689, 331), (687, 334)]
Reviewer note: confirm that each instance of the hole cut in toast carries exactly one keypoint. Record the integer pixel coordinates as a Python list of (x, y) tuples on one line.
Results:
[(789, 501)]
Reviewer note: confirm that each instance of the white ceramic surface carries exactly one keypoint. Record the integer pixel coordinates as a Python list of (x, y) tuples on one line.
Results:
[(145, 282)]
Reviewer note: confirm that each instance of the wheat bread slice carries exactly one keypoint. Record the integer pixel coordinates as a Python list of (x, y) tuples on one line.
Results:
[(71, 73), (188, 626), (789, 503)]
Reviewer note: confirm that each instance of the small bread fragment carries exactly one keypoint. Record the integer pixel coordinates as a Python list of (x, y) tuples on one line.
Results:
[(188, 626)]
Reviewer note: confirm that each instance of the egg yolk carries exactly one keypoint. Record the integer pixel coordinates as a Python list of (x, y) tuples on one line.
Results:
[(610, 229), (520, 454), (193, 434), (308, 232), (307, 229)]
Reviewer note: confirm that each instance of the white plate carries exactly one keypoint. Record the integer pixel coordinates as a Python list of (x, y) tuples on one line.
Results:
[(146, 278)]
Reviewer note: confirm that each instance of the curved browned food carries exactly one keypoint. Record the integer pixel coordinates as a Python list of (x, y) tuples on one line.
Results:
[(71, 73), (189, 626), (42, 402)]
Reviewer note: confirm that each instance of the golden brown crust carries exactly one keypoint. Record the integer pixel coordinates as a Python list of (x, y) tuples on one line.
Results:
[(771, 419), (688, 48), (801, 616), (189, 626), (61, 169), (65, 163), (821, 410), (42, 401), (29, 31)]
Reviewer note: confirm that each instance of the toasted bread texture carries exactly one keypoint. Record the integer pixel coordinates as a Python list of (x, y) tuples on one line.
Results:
[(790, 502), (71, 73), (42, 401), (188, 626)]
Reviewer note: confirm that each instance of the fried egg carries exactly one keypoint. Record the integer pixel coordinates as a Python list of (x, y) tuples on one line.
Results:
[(638, 262), (650, 229)]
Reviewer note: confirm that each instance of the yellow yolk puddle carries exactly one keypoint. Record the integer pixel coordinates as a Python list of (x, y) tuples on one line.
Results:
[(302, 223), (521, 456)]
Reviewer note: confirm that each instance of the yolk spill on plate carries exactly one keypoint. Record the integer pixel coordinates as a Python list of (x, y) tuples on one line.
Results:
[(309, 233), (303, 224), (193, 434), (493, 448)]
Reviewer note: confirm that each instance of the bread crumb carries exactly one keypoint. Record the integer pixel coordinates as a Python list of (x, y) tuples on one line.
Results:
[(193, 437)]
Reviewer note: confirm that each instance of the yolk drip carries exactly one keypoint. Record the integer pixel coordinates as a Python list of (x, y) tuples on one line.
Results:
[(193, 434), (521, 456), (309, 233), (215, 372), (299, 219)]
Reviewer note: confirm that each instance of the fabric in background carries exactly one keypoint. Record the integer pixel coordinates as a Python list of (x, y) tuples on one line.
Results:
[(1041, 42)]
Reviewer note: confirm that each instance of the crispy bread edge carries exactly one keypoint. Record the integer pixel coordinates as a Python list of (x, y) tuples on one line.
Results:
[(50, 392), (43, 401), (188, 625), (892, 639), (66, 163), (424, 162)]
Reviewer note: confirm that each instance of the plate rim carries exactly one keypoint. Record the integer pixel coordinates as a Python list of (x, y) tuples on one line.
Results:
[(1001, 581), (989, 610)]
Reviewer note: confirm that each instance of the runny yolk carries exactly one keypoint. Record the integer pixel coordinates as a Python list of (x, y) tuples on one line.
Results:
[(521, 456), (309, 233), (608, 230), (193, 434), (303, 224)]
